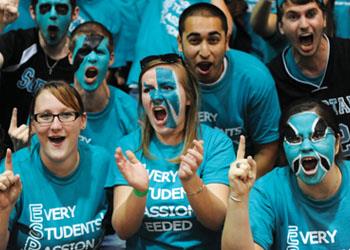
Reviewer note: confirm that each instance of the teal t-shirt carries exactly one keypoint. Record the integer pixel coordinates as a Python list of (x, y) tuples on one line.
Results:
[(119, 118), (169, 221), (158, 31), (282, 217), (244, 101), (342, 18), (61, 212)]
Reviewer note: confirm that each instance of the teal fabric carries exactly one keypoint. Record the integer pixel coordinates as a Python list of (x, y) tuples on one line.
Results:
[(119, 118), (244, 101), (342, 18), (282, 217), (169, 221), (61, 212)]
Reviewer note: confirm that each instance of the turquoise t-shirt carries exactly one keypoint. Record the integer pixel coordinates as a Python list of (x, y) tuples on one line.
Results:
[(342, 18), (61, 212), (244, 101), (158, 31), (282, 217), (119, 118), (169, 221)]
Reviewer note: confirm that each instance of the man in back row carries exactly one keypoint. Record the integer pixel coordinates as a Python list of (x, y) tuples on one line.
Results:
[(29, 58), (238, 92)]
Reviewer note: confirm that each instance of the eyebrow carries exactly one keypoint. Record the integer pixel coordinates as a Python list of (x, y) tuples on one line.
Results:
[(198, 34)]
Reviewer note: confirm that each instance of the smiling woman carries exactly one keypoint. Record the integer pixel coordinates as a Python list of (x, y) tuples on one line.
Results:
[(47, 188), (177, 164)]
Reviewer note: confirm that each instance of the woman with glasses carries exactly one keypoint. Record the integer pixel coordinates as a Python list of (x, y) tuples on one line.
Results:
[(175, 186), (303, 206), (52, 194)]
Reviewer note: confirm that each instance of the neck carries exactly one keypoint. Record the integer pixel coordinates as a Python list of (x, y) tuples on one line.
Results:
[(94, 101), (173, 138), (315, 65), (55, 52), (62, 168), (327, 188)]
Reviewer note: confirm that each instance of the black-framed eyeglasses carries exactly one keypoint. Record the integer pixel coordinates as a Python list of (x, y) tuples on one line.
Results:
[(64, 117), (167, 58)]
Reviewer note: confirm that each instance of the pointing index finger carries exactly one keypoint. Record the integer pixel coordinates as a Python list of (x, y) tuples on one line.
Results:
[(8, 160), (241, 148), (13, 123)]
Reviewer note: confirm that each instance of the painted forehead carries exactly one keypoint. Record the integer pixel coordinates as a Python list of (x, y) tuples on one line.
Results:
[(90, 42), (54, 2), (160, 76), (304, 122)]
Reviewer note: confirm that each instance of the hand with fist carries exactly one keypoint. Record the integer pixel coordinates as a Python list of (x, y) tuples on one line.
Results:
[(8, 12)]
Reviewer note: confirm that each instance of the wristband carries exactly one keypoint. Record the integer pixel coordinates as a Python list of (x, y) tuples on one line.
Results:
[(234, 198), (139, 193), (200, 190)]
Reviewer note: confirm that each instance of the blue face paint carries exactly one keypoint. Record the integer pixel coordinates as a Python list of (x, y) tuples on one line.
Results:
[(53, 18), (166, 95), (91, 60), (309, 145)]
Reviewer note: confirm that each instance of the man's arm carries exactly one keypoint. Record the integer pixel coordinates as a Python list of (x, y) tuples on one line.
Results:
[(263, 22), (266, 157)]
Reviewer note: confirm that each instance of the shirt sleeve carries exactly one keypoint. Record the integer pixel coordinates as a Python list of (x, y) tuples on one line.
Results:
[(262, 217), (264, 111), (218, 155)]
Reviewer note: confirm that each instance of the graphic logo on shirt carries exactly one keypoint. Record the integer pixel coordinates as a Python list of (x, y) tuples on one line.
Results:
[(38, 215), (85, 139), (170, 14), (29, 82), (167, 193), (295, 237)]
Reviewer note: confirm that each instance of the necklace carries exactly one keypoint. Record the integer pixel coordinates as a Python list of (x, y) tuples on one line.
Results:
[(50, 67)]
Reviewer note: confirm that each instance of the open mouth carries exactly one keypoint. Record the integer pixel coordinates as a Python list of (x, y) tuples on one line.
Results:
[(306, 40), (204, 66), (56, 139), (53, 31), (91, 72), (309, 165), (159, 113)]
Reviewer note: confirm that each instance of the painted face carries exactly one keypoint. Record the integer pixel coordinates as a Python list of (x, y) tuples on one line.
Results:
[(303, 26), (204, 45), (309, 145), (163, 99), (53, 18), (58, 140), (90, 60)]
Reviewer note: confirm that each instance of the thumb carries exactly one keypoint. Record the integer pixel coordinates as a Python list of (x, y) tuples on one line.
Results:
[(241, 148), (8, 160), (13, 123)]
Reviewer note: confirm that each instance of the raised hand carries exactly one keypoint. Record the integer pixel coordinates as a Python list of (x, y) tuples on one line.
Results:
[(242, 172), (132, 170), (10, 185), (191, 160), (8, 11), (19, 135)]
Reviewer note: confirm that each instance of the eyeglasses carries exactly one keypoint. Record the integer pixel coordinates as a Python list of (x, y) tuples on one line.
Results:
[(64, 117), (167, 58)]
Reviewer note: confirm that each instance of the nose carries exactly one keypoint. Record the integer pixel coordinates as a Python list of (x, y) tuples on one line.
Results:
[(157, 98), (53, 13), (92, 57), (56, 124), (306, 145), (304, 24), (204, 50)]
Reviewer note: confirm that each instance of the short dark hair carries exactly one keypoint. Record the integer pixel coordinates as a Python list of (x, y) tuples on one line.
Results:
[(91, 28), (280, 3), (205, 10), (72, 2), (307, 104)]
